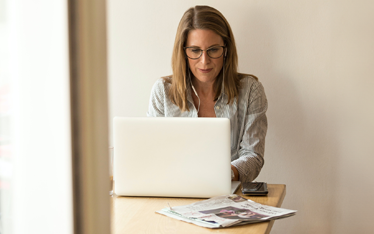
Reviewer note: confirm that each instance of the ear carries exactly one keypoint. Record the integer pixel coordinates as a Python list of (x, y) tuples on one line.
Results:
[(225, 51)]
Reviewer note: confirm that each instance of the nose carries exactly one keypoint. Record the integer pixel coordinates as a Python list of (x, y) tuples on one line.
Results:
[(205, 59)]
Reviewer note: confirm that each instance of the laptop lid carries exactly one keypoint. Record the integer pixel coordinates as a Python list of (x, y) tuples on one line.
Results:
[(172, 157)]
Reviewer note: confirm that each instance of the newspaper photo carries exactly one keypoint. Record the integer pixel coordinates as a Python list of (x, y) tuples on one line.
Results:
[(225, 211)]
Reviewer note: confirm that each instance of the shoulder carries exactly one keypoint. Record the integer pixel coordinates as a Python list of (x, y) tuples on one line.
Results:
[(161, 86), (252, 95), (249, 83), (163, 82)]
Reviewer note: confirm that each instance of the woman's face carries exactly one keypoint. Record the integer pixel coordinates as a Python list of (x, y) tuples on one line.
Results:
[(205, 69), (246, 214)]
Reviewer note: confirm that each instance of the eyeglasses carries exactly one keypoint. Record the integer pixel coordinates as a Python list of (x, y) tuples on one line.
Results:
[(213, 52)]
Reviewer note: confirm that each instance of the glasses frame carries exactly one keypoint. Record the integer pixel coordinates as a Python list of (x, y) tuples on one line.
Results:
[(202, 51)]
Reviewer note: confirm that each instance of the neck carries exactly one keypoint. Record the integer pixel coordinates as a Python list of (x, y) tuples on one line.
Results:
[(202, 88)]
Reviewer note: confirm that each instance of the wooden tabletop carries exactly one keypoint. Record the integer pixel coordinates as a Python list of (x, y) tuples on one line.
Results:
[(137, 215)]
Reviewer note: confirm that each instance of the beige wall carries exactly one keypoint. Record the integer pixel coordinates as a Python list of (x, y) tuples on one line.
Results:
[(316, 62)]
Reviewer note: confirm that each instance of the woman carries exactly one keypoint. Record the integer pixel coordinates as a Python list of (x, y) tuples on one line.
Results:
[(205, 83)]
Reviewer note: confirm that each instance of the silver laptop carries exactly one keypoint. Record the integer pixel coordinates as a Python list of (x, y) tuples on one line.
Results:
[(172, 157)]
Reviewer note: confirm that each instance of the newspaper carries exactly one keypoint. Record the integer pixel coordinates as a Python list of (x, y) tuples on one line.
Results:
[(225, 211)]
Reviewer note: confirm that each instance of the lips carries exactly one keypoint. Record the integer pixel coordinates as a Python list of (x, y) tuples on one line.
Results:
[(205, 70)]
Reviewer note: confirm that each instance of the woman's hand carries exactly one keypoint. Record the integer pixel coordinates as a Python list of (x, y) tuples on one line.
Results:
[(236, 173)]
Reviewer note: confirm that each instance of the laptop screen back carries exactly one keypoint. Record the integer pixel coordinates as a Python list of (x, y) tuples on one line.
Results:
[(172, 157)]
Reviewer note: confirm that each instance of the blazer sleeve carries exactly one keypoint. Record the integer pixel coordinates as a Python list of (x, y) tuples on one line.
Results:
[(252, 145)]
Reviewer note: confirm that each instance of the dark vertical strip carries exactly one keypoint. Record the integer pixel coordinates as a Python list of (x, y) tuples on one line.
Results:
[(74, 110)]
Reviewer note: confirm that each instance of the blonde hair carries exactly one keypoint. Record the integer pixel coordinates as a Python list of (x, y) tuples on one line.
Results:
[(203, 17)]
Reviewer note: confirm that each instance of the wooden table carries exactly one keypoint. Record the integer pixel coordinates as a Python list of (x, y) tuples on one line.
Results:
[(137, 215)]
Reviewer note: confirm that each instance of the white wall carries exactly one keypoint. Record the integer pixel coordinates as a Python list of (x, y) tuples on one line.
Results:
[(316, 62), (39, 114)]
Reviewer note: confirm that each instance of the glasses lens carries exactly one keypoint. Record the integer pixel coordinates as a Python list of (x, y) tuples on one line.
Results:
[(193, 52), (215, 52)]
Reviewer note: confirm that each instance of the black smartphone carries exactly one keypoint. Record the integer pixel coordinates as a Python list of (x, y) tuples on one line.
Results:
[(255, 188)]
